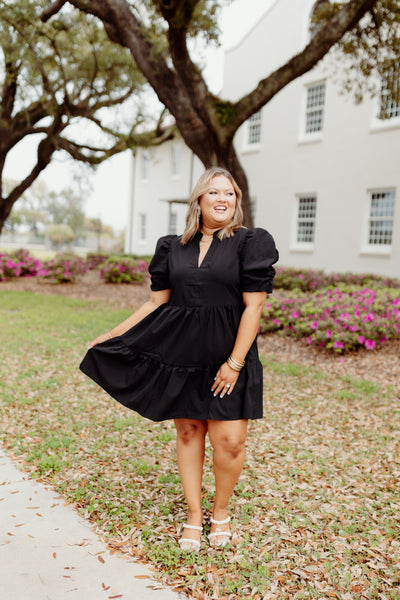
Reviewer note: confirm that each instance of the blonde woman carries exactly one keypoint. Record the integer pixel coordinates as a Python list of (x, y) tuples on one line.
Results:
[(190, 352)]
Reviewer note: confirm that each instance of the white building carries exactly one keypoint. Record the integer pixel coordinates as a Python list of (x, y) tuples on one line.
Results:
[(324, 173)]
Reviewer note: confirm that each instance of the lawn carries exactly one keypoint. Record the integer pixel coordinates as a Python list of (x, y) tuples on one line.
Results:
[(316, 513)]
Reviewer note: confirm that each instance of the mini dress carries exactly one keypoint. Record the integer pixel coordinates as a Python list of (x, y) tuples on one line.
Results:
[(164, 366)]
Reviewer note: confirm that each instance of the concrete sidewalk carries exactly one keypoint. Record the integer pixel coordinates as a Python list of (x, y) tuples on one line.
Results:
[(49, 552)]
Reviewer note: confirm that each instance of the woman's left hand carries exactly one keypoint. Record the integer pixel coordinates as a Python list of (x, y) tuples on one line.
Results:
[(225, 381)]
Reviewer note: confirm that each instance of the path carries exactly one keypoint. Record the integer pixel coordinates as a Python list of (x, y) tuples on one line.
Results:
[(49, 552)]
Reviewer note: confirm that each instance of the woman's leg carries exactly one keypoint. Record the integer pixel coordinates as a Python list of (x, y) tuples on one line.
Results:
[(190, 448), (228, 439)]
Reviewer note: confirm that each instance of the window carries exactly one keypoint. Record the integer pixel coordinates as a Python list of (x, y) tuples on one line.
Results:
[(390, 95), (254, 129), (142, 227), (145, 164), (176, 160), (315, 108), (306, 215), (173, 223), (381, 216)]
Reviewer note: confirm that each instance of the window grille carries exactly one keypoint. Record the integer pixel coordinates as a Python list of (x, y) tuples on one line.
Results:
[(315, 108), (381, 216), (173, 223), (306, 216), (254, 129), (390, 94)]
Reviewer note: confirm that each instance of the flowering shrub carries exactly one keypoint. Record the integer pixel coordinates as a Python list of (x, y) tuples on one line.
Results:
[(94, 259), (65, 267), (341, 319), (123, 270), (310, 280), (19, 264)]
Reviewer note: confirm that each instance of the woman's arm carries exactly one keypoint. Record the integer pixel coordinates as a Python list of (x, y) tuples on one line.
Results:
[(247, 331), (156, 300)]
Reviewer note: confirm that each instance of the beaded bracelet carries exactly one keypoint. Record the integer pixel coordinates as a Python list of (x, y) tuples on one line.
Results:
[(235, 364)]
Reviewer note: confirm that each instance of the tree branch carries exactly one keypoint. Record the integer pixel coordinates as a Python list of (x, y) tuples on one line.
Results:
[(52, 10), (318, 47), (9, 90), (98, 155)]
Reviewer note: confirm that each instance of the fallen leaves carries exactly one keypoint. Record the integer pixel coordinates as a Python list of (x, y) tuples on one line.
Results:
[(315, 513)]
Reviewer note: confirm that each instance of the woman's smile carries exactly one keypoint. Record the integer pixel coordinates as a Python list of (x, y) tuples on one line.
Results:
[(218, 204)]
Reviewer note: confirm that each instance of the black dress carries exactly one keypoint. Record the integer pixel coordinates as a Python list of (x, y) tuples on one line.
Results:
[(164, 366)]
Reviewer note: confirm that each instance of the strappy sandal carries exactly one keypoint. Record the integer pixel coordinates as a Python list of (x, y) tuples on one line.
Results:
[(194, 543), (213, 537)]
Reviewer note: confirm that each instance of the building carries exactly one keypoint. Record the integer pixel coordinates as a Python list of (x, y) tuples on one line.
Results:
[(324, 173)]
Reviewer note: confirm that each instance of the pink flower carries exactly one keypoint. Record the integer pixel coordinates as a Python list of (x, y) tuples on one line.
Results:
[(344, 316), (361, 339), (338, 345), (294, 314), (370, 344), (328, 333), (309, 340), (314, 325)]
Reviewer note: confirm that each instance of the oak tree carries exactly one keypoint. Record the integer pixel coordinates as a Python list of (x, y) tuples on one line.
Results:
[(157, 32), (61, 83)]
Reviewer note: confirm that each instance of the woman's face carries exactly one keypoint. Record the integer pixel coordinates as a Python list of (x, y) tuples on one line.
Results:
[(218, 203)]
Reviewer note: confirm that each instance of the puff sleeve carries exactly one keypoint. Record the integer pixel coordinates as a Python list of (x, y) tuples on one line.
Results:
[(158, 267), (258, 254)]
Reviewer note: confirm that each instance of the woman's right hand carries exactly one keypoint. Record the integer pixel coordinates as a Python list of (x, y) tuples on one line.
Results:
[(101, 338)]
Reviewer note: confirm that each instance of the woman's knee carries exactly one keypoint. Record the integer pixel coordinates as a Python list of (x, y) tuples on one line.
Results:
[(188, 430), (230, 444)]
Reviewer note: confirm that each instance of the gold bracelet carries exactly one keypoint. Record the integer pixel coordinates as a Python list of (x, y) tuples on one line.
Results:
[(235, 360), (235, 364)]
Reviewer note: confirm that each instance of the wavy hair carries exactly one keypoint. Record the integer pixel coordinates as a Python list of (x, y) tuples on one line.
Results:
[(193, 216)]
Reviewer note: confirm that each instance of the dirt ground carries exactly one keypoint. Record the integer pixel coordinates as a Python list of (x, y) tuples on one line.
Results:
[(381, 365)]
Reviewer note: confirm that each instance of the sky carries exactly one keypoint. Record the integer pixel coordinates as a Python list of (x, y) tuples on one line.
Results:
[(111, 183)]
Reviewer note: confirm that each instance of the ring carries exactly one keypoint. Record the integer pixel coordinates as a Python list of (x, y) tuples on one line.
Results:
[(228, 385)]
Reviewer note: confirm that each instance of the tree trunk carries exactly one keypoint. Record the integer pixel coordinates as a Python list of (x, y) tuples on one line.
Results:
[(5, 210)]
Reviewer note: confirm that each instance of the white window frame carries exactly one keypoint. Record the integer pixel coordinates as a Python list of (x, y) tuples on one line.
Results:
[(142, 227), (379, 124), (315, 136), (253, 132), (145, 165), (176, 161), (300, 245), (376, 248)]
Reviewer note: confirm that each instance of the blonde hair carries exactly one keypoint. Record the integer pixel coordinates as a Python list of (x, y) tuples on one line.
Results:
[(193, 216)]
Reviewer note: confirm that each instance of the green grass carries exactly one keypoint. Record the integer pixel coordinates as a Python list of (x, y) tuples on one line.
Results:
[(315, 513)]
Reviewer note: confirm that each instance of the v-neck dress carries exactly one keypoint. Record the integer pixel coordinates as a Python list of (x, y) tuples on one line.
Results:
[(164, 367)]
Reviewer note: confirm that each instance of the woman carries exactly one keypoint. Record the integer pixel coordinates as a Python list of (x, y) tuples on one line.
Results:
[(190, 352)]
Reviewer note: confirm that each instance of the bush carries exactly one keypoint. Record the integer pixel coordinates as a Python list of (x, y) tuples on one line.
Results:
[(65, 267), (123, 270), (95, 259), (310, 280), (341, 319), (19, 264)]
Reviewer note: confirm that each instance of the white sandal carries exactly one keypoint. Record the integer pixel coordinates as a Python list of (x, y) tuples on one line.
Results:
[(194, 543), (215, 543)]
